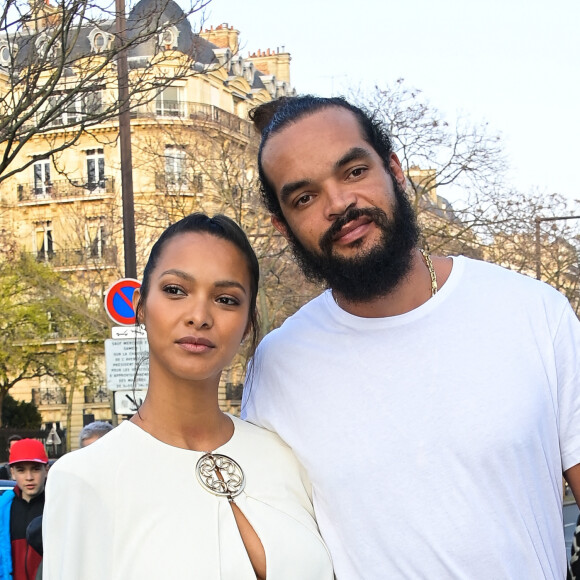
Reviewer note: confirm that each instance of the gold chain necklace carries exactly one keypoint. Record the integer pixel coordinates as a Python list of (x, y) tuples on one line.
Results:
[(429, 265)]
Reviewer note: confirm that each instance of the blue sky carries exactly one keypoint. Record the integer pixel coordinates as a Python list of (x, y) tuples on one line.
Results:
[(512, 63)]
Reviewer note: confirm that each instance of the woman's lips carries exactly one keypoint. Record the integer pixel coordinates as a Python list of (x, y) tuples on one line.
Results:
[(195, 344)]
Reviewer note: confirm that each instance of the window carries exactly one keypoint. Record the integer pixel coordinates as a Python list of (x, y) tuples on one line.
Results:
[(175, 165), (73, 111), (42, 183), (168, 102), (96, 238), (69, 110), (44, 249), (4, 54), (47, 47), (93, 103), (168, 37), (65, 113), (100, 40), (95, 169)]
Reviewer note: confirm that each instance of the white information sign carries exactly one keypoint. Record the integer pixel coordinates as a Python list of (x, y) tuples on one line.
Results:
[(127, 402), (125, 368)]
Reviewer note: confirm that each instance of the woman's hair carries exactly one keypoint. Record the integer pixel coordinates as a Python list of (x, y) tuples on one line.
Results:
[(221, 227)]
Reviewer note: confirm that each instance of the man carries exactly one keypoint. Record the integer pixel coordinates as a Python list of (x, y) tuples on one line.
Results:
[(28, 460), (93, 431), (433, 401), (5, 469)]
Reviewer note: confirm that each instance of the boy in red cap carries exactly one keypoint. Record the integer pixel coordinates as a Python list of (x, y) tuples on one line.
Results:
[(28, 461)]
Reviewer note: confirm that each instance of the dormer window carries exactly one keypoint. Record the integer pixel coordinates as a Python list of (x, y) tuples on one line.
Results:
[(249, 71), (224, 55), (46, 46), (4, 54), (168, 37), (270, 84), (237, 66), (100, 40)]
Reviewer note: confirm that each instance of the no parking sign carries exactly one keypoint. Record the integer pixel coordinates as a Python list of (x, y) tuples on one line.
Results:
[(119, 301)]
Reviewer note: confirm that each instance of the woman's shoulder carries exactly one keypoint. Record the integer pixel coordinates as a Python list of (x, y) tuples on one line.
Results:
[(96, 457), (258, 434), (259, 446)]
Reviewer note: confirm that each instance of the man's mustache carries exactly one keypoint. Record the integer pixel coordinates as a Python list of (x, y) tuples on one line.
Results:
[(376, 215)]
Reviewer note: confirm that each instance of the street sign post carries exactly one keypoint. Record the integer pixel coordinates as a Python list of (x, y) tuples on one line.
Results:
[(119, 301)]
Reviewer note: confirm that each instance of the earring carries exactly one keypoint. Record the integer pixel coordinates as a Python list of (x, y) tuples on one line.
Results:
[(142, 326)]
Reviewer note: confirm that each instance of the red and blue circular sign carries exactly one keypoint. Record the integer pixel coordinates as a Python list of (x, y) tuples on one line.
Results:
[(119, 301)]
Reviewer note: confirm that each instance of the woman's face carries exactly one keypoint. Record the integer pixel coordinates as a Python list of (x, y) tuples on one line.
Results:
[(196, 313)]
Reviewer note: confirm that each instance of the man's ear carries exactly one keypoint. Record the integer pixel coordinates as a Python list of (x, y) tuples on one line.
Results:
[(280, 226), (136, 296), (397, 170)]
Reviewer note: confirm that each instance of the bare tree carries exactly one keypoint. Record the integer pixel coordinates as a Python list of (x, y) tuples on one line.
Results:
[(212, 168), (58, 68), (492, 221), (436, 155), (512, 242)]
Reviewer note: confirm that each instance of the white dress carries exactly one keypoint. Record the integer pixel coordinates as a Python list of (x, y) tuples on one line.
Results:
[(131, 507)]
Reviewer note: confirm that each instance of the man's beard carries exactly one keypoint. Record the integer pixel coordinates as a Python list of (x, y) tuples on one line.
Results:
[(373, 273)]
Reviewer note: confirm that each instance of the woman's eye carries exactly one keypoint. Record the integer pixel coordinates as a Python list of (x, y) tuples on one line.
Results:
[(175, 290), (228, 301)]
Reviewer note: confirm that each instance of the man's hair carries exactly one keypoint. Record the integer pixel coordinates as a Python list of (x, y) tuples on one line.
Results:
[(270, 118), (94, 429), (13, 439)]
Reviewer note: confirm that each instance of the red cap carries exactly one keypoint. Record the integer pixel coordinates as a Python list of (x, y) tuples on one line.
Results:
[(27, 450)]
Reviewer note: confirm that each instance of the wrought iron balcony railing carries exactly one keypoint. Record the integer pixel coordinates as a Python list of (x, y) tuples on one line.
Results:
[(185, 182), (49, 396), (194, 111), (62, 189), (90, 256), (96, 396)]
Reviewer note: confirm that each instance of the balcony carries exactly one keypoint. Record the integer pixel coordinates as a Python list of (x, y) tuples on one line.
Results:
[(79, 257), (193, 111), (179, 183), (64, 189), (96, 396), (49, 396)]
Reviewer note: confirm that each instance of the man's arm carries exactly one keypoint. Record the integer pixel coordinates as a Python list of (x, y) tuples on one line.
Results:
[(572, 476)]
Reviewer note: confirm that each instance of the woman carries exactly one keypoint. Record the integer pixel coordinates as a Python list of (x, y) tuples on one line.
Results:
[(183, 490)]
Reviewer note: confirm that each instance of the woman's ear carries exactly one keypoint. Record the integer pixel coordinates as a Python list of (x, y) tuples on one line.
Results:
[(247, 331), (138, 314)]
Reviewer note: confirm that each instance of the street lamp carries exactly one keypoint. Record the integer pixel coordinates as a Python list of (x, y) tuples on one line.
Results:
[(538, 221)]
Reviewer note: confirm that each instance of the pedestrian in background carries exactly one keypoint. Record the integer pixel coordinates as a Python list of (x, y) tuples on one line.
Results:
[(18, 507), (93, 431), (5, 469)]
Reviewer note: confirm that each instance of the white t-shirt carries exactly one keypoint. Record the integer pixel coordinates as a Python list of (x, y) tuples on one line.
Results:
[(129, 507), (434, 440)]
